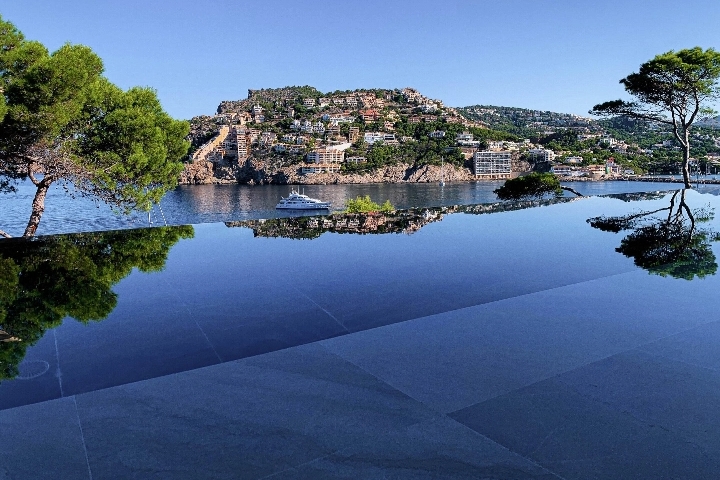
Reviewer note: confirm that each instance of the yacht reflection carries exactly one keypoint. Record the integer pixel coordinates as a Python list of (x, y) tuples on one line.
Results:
[(668, 241), (45, 279)]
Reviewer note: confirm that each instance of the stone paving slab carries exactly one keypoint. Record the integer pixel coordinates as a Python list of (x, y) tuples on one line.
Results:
[(456, 359), (440, 448), (608, 434), (42, 441), (698, 346), (245, 419), (678, 397)]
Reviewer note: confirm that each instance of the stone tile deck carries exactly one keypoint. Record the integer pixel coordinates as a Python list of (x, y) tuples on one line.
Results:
[(560, 383)]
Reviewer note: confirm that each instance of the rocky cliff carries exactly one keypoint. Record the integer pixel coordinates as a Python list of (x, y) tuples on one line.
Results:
[(262, 172)]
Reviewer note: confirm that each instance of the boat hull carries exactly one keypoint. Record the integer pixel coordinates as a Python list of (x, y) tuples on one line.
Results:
[(303, 207), (297, 201)]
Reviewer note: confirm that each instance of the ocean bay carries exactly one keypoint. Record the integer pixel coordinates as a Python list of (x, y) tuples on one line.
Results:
[(193, 204)]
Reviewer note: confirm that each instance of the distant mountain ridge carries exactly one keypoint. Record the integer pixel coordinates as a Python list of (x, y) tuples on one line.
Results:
[(527, 122), (711, 122)]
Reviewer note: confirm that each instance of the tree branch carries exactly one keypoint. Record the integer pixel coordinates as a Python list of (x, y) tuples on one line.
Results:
[(31, 175), (572, 190), (619, 107), (696, 110)]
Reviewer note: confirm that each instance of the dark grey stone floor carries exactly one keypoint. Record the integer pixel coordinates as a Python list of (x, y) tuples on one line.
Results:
[(574, 382)]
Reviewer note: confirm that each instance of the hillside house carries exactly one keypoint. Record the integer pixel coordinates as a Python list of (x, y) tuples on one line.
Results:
[(372, 137), (369, 115)]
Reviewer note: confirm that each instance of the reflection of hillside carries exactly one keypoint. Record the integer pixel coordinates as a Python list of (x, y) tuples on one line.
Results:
[(45, 279), (498, 207), (401, 221)]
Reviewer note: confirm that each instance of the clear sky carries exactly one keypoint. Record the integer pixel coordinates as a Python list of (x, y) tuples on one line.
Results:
[(559, 55)]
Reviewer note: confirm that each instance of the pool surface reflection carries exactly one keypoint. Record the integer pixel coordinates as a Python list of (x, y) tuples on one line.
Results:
[(574, 339)]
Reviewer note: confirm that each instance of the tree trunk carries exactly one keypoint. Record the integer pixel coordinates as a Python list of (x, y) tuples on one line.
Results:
[(38, 207), (686, 160)]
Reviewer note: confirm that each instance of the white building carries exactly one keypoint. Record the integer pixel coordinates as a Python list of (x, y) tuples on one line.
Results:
[(437, 134), (306, 126), (372, 137), (561, 170), (355, 159), (464, 137), (541, 154), (608, 140), (492, 164)]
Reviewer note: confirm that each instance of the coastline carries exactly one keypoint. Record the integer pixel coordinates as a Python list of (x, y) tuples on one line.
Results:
[(259, 172)]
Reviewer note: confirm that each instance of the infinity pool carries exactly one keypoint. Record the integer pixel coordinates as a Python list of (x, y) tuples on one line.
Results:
[(575, 338)]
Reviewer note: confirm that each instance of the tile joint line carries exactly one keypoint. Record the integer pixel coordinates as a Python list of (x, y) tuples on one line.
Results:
[(82, 436)]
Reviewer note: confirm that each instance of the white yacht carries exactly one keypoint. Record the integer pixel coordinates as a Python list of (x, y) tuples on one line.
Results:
[(298, 201)]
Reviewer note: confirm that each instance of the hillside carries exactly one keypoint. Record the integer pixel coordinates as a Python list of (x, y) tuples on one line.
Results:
[(302, 135), (274, 131)]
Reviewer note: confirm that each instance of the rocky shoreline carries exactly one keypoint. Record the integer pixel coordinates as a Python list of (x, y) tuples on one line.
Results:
[(262, 172), (265, 172)]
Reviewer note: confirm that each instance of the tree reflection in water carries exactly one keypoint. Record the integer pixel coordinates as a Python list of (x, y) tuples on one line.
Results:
[(45, 279), (668, 241)]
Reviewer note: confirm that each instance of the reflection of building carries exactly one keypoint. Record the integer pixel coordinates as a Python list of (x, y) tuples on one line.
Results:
[(492, 164), (6, 337)]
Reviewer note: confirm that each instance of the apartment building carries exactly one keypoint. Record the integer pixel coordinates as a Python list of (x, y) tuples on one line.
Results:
[(326, 155), (492, 164), (320, 168)]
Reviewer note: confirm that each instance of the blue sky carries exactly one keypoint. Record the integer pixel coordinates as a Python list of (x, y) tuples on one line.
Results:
[(559, 55)]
